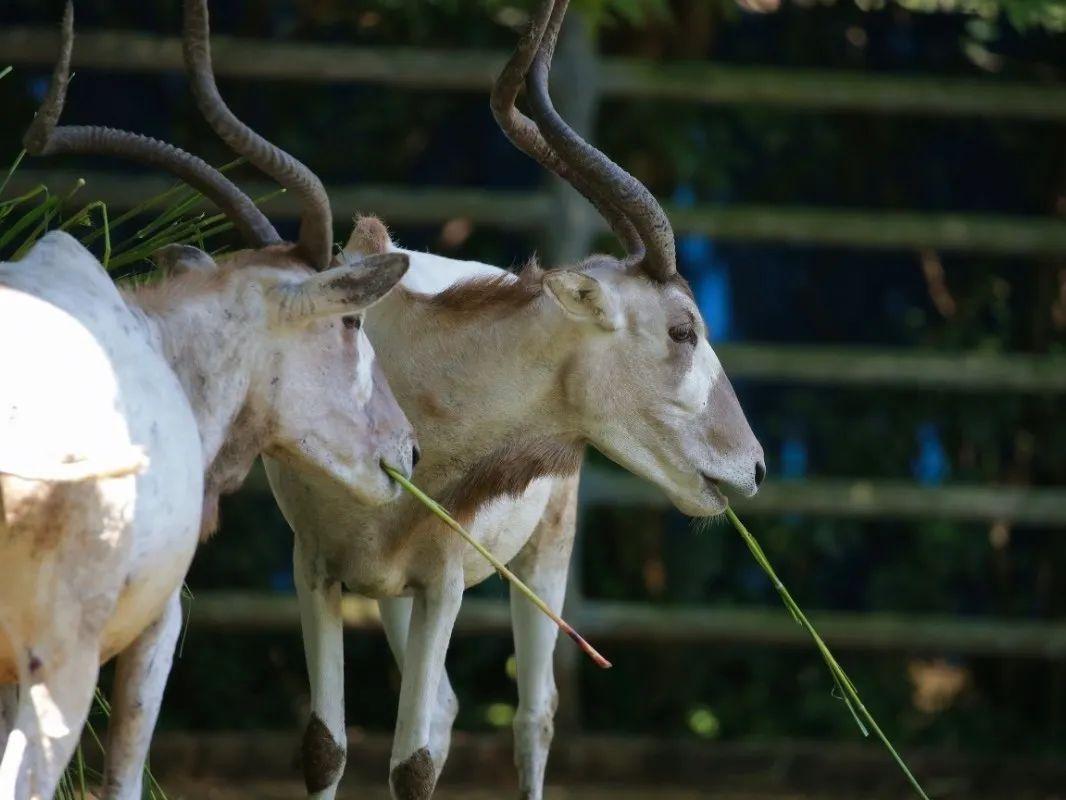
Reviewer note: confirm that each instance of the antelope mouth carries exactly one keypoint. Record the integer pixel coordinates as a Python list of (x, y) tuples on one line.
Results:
[(715, 487)]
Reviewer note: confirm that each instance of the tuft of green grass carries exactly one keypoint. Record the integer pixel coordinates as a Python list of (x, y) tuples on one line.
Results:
[(24, 219)]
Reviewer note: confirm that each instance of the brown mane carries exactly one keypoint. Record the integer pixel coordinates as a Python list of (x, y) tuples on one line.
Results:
[(498, 295)]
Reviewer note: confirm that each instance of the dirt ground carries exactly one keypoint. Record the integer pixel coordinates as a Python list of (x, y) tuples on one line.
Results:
[(264, 765), (274, 790)]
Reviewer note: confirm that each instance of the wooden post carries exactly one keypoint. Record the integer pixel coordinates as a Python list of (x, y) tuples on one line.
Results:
[(566, 240), (575, 92)]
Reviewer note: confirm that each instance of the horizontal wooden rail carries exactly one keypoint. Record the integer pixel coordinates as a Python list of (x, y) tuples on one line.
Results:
[(853, 498), (861, 366), (642, 622), (474, 70), (987, 234)]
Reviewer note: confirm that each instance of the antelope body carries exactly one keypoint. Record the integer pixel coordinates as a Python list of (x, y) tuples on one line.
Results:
[(507, 378), (124, 416)]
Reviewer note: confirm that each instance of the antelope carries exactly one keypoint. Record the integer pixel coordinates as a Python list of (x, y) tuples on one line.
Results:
[(124, 415), (507, 378)]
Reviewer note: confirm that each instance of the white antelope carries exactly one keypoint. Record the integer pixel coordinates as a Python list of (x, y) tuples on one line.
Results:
[(507, 378), (124, 416)]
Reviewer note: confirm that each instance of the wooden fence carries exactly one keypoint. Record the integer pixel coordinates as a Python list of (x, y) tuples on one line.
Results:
[(623, 80)]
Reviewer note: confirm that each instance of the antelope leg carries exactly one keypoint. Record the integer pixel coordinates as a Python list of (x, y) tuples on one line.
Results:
[(396, 618), (413, 774), (140, 678), (56, 689), (325, 740), (543, 565)]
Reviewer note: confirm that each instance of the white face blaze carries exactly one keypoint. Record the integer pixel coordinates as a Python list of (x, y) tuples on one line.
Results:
[(694, 392), (364, 377)]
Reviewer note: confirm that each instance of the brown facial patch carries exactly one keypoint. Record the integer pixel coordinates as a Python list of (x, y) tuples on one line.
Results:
[(369, 237), (415, 778), (323, 757), (510, 469), (498, 295)]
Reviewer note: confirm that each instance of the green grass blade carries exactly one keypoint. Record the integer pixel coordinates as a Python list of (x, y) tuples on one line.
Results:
[(189, 198), (81, 772), (140, 208), (42, 227), (11, 171), (22, 198), (28, 220), (846, 688)]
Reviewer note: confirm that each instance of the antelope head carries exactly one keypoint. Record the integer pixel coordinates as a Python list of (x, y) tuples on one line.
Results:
[(647, 387), (310, 388)]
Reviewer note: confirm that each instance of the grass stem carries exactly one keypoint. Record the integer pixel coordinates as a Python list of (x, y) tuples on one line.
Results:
[(846, 688)]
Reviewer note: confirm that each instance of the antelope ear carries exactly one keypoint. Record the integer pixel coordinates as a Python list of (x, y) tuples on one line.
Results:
[(369, 237), (341, 290), (178, 259), (583, 297)]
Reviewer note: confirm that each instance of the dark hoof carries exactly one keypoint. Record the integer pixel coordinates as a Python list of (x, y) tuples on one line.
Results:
[(323, 758), (415, 778)]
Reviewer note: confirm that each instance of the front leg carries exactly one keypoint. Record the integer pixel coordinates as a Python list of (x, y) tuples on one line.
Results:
[(325, 740), (543, 564), (140, 678), (396, 619), (413, 774)]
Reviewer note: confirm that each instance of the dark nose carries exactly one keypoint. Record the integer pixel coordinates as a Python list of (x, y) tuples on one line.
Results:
[(416, 456), (760, 473)]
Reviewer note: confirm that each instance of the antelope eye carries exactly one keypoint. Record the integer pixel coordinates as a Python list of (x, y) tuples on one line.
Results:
[(683, 333), (352, 322)]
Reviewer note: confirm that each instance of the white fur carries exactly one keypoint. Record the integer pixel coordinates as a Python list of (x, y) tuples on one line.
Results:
[(694, 393), (364, 379), (432, 274)]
